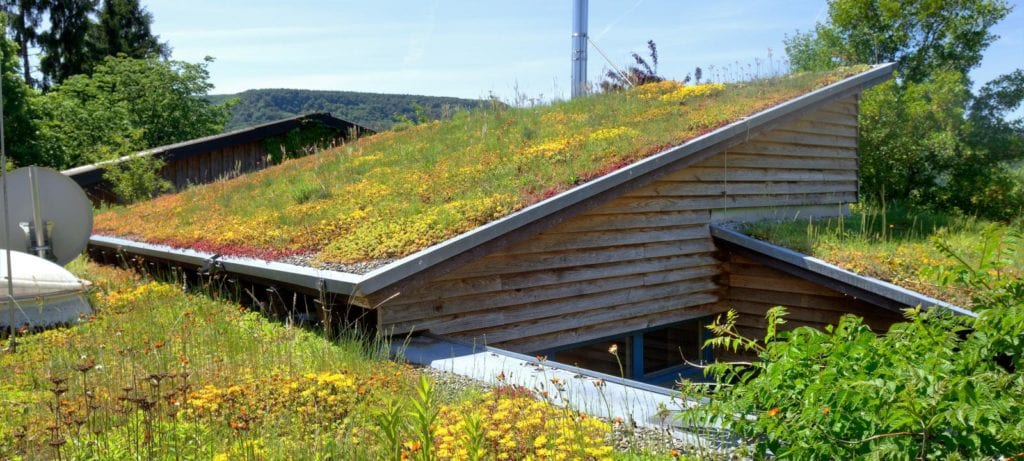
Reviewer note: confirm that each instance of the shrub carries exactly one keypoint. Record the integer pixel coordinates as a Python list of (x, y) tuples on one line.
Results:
[(937, 386), (137, 178)]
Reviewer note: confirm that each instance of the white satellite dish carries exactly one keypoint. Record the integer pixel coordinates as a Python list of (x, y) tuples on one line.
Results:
[(49, 215)]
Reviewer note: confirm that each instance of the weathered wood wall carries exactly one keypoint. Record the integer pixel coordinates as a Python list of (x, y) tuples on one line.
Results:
[(752, 288), (643, 259), (226, 162)]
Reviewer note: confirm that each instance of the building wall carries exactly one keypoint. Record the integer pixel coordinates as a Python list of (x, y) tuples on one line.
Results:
[(644, 259), (210, 166), (751, 288)]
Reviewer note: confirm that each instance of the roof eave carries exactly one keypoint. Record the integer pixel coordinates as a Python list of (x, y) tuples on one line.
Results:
[(301, 276)]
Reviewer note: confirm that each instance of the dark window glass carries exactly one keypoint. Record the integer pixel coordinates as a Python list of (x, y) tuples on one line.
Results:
[(666, 347)]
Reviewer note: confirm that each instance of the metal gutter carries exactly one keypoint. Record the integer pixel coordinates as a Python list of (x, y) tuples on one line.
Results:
[(421, 260), (871, 285), (302, 276)]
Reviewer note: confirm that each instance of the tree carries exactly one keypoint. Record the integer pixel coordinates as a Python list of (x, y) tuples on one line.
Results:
[(921, 36), (127, 105), (19, 124), (124, 28), (25, 17), (65, 51), (920, 143)]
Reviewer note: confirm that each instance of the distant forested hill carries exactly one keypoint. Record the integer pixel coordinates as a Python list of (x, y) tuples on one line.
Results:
[(372, 110)]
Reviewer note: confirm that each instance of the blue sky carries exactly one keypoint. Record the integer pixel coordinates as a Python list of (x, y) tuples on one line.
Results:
[(475, 48)]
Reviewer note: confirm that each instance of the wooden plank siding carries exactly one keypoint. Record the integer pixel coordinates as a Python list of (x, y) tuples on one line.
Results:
[(646, 258), (216, 164), (752, 288)]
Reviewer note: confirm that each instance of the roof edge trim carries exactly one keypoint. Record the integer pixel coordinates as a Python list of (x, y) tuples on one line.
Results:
[(307, 277)]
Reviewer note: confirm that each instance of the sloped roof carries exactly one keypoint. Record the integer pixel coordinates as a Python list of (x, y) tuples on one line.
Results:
[(87, 175), (503, 231)]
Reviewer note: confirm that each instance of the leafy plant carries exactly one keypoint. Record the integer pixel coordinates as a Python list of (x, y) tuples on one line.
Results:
[(137, 178), (938, 386)]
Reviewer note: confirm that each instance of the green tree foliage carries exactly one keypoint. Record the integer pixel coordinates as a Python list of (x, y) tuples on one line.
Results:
[(921, 36), (64, 45), (125, 106), (19, 124), (925, 139), (124, 28), (938, 386), (25, 18), (137, 178)]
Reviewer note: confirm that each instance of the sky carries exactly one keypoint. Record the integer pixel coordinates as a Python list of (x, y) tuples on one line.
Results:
[(474, 49)]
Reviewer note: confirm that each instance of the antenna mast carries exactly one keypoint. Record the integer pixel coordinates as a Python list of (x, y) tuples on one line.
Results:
[(11, 344), (579, 48)]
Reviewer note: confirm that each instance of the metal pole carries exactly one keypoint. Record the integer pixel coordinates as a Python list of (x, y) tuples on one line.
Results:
[(579, 48), (12, 345), (37, 214)]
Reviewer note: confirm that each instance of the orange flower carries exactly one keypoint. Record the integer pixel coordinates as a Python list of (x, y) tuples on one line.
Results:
[(183, 360), (825, 410), (774, 411)]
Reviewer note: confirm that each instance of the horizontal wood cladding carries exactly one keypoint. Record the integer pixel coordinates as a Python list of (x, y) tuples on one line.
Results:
[(753, 288), (225, 162), (811, 161), (645, 259), (593, 269)]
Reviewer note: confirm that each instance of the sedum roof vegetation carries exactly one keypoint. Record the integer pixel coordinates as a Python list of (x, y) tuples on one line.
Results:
[(397, 192)]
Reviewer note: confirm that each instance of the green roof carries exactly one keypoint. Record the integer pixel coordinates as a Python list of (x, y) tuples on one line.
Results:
[(397, 192)]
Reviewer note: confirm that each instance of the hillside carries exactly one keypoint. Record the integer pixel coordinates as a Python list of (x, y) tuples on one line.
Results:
[(372, 110), (397, 192)]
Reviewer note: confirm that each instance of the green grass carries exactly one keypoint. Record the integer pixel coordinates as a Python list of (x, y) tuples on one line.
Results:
[(902, 246), (398, 192)]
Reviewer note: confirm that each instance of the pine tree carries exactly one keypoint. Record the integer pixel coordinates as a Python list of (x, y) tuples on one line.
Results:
[(124, 27), (24, 17), (65, 51)]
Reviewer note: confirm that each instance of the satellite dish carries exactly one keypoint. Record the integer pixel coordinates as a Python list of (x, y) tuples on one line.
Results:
[(49, 215)]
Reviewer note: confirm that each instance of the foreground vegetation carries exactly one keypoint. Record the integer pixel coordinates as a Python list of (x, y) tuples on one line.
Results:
[(938, 386), (909, 247), (398, 192), (157, 373)]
